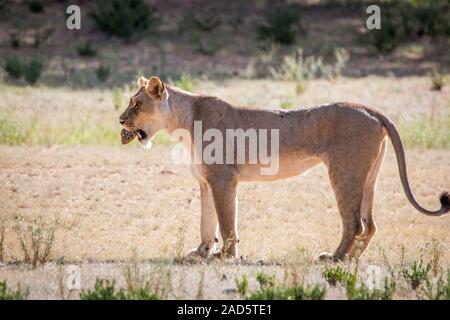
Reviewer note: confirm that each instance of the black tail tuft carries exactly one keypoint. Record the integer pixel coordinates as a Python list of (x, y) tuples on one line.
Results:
[(445, 201)]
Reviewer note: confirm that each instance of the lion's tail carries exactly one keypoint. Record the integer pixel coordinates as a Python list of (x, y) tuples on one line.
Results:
[(400, 154)]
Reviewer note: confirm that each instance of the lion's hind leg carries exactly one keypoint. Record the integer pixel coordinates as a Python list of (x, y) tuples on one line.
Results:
[(367, 219), (348, 176)]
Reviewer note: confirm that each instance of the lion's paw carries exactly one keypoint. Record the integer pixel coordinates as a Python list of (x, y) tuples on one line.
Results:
[(325, 256)]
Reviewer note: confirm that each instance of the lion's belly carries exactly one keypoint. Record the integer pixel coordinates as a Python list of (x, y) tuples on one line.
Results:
[(288, 167)]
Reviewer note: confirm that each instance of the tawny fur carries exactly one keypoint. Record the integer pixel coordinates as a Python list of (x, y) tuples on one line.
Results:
[(350, 139)]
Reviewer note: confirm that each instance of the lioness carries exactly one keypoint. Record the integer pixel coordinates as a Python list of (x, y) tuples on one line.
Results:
[(350, 139)]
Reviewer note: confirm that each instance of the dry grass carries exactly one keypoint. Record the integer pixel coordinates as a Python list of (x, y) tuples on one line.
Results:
[(111, 201)]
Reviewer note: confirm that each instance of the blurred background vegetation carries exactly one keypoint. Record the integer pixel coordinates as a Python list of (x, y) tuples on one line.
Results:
[(188, 42), (219, 39)]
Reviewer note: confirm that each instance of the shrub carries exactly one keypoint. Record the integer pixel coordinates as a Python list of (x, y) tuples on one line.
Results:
[(386, 39), (13, 67), (36, 239), (360, 291), (123, 18), (32, 70), (11, 130), (103, 290), (438, 80), (403, 21), (7, 293), (438, 290), (242, 285), (86, 50), (334, 275), (106, 290), (265, 280), (296, 67), (342, 56), (281, 25), (429, 132), (186, 82), (35, 6), (283, 292), (270, 289), (103, 71), (416, 274), (425, 18)]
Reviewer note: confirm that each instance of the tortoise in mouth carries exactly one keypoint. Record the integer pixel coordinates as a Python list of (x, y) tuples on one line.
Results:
[(128, 136)]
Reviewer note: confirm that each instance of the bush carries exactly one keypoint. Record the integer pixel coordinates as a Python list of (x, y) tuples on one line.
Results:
[(32, 71), (103, 71), (425, 18), (386, 39), (270, 289), (86, 50), (438, 290), (35, 6), (36, 239), (360, 291), (242, 285), (186, 82), (334, 275), (105, 290), (403, 21), (438, 80), (13, 67), (281, 25), (416, 274), (123, 18), (8, 294), (296, 67), (265, 280), (429, 132), (11, 129), (283, 292)]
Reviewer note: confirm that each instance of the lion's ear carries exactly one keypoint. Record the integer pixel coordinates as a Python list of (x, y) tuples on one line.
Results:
[(155, 87), (142, 81)]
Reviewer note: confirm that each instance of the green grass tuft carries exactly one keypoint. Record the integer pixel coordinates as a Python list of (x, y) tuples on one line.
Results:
[(106, 290), (7, 293), (429, 133)]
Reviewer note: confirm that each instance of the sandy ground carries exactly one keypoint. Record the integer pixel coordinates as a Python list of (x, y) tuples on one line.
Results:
[(114, 204)]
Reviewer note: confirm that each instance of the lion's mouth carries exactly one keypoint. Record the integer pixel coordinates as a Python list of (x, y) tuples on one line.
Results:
[(141, 134), (127, 136)]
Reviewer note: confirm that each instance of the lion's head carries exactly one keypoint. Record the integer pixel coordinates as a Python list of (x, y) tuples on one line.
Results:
[(144, 112)]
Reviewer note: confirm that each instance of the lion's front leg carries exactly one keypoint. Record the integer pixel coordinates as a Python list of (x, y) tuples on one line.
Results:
[(225, 202), (208, 223)]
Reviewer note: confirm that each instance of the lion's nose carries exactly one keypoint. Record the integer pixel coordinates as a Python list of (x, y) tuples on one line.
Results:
[(122, 122)]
